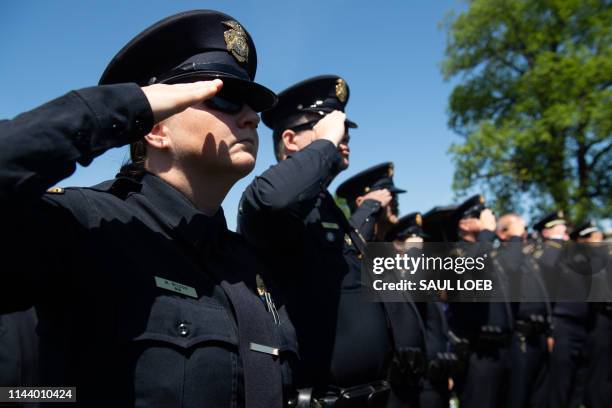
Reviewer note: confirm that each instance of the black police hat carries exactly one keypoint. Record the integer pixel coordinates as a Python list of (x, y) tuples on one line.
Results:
[(374, 178), (583, 230), (470, 207), (307, 101), (439, 224), (189, 46), (410, 225), (552, 219)]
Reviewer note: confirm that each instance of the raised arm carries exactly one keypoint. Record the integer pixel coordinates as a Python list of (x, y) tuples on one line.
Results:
[(41, 147)]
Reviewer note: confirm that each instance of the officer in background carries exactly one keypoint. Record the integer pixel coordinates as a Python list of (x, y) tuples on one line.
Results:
[(408, 229), (598, 392), (289, 214), (442, 364), (144, 298), (440, 229), (570, 319), (587, 232), (486, 326), (529, 350), (377, 228), (372, 199)]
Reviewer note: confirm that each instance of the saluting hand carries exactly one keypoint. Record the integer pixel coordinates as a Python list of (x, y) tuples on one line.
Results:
[(383, 196), (331, 127), (167, 100), (487, 220)]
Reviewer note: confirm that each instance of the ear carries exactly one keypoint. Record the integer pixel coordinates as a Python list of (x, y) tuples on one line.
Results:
[(289, 141), (359, 200), (463, 224), (158, 137)]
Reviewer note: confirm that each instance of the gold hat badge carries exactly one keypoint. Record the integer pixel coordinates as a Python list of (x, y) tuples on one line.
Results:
[(236, 41), (341, 90), (419, 219), (390, 170)]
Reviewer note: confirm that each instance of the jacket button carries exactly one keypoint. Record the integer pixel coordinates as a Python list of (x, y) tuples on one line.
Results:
[(183, 329)]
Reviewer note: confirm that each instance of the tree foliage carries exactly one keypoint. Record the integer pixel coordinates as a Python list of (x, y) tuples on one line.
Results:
[(533, 103)]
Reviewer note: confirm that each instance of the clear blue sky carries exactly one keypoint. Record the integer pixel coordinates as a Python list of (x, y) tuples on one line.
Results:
[(388, 51)]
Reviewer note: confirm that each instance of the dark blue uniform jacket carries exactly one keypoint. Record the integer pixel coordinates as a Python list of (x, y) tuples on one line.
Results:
[(142, 299)]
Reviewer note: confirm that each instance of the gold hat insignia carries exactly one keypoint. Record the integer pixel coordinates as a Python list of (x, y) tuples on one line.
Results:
[(390, 171), (481, 199), (419, 219), (236, 41), (341, 91)]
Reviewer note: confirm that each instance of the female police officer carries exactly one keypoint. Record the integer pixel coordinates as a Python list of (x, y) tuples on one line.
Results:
[(144, 297)]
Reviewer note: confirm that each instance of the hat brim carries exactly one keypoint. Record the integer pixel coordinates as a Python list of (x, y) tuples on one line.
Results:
[(396, 190), (322, 112), (257, 96)]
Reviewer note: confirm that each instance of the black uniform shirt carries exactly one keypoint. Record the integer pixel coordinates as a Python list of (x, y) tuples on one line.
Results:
[(288, 213), (466, 319), (561, 278), (135, 288)]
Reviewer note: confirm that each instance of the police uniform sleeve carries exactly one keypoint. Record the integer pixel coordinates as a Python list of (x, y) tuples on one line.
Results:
[(364, 218), (40, 148), (285, 192), (485, 236)]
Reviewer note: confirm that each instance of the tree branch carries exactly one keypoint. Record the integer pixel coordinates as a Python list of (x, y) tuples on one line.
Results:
[(599, 155)]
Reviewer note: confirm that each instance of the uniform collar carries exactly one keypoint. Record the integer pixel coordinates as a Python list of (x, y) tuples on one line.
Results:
[(177, 212)]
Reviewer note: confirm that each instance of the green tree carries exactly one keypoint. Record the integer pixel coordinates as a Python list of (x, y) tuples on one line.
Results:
[(533, 103)]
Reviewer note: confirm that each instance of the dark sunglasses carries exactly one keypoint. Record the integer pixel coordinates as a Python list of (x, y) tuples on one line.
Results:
[(224, 104), (304, 126)]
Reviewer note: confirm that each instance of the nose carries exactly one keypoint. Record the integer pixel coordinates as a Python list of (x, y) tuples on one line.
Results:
[(248, 118)]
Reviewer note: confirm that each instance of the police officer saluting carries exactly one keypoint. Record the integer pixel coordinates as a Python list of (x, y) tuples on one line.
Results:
[(531, 341), (288, 212), (371, 197), (144, 297), (598, 391), (570, 319), (487, 326), (442, 364)]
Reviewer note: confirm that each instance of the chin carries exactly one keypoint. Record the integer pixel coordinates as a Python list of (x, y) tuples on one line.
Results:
[(244, 164)]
